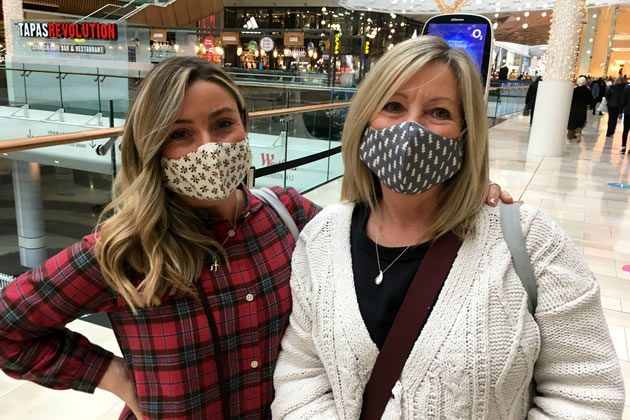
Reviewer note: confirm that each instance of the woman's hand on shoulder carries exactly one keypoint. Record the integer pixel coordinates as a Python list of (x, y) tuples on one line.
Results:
[(495, 193)]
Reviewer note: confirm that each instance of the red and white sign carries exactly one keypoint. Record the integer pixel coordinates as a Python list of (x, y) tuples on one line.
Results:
[(208, 42), (266, 43)]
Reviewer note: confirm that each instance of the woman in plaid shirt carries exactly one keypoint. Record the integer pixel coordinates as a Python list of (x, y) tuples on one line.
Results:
[(191, 268)]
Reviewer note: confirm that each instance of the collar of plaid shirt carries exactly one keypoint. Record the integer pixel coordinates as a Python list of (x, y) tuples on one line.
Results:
[(169, 348)]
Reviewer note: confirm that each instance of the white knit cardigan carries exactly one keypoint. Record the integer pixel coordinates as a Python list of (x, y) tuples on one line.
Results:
[(475, 356)]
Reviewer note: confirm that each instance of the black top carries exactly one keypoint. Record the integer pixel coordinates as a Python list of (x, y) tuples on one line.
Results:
[(614, 95), (380, 304)]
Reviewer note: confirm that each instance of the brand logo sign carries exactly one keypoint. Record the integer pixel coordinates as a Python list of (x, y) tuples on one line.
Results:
[(266, 44), (106, 31), (251, 24), (208, 42)]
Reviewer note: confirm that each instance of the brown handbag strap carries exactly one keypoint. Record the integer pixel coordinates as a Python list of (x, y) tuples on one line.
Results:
[(410, 318)]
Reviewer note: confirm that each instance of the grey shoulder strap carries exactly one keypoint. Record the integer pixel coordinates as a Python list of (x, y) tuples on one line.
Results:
[(269, 197), (513, 233)]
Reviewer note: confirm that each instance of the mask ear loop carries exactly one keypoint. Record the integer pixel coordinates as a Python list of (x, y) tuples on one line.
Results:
[(464, 130)]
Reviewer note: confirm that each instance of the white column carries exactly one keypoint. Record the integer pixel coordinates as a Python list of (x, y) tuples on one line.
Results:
[(588, 41), (29, 212), (12, 10), (553, 100)]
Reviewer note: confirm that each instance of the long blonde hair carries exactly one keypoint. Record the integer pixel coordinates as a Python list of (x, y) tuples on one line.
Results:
[(464, 194), (151, 236)]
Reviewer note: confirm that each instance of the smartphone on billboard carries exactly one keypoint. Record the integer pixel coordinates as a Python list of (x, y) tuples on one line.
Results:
[(472, 33)]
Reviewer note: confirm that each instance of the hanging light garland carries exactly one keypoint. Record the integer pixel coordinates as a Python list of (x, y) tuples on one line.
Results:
[(564, 36), (454, 7), (12, 11)]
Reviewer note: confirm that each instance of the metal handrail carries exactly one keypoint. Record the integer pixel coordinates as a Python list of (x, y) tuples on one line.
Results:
[(135, 77), (74, 73), (27, 143), (229, 72)]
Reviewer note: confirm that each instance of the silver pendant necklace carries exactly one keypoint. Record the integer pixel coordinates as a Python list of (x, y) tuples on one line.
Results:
[(379, 278)]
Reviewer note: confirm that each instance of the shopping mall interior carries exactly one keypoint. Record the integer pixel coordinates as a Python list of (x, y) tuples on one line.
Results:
[(69, 70)]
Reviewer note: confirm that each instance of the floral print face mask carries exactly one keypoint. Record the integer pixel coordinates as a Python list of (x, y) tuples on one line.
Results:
[(212, 172)]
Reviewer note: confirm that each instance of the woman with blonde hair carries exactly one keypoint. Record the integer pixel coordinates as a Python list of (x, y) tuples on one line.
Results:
[(192, 268), (406, 303)]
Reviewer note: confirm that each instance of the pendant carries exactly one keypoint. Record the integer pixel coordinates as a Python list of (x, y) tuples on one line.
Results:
[(379, 279), (215, 265)]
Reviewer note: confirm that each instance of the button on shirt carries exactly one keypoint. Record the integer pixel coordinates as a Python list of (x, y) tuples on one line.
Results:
[(168, 348)]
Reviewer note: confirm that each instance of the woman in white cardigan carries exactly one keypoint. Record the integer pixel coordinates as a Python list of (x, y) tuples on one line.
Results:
[(415, 150)]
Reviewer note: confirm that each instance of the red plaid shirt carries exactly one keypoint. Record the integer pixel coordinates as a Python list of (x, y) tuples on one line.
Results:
[(168, 348)]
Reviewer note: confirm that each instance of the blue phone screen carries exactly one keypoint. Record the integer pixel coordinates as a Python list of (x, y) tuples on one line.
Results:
[(467, 36)]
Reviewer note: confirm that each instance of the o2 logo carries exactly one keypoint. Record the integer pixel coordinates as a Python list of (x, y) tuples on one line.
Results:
[(476, 33)]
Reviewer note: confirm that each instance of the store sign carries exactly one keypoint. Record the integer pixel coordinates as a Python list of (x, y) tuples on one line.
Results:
[(337, 37), (208, 42), (252, 46), (158, 35), (367, 47), (294, 38), (229, 38), (266, 44), (70, 48), (106, 31)]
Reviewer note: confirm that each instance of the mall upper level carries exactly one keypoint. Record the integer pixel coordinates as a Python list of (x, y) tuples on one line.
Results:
[(325, 43)]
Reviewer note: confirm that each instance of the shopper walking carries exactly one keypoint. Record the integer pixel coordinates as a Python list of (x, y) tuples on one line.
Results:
[(613, 101), (581, 100), (625, 109), (530, 98), (595, 91)]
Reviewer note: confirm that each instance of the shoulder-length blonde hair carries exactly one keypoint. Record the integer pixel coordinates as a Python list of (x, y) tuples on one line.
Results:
[(464, 194), (151, 236)]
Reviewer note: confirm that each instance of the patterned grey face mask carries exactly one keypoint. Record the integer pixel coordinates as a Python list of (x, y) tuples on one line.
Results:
[(410, 159)]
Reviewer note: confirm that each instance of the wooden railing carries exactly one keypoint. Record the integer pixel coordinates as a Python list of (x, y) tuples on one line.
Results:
[(27, 143)]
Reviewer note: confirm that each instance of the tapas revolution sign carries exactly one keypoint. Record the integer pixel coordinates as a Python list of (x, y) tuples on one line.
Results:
[(102, 31)]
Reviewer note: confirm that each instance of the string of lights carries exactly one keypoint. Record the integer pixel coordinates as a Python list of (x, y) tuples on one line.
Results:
[(12, 10), (564, 36), (454, 7)]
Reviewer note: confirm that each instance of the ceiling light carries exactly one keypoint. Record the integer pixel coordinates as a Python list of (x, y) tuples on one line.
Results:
[(525, 25), (518, 18), (526, 14), (544, 14)]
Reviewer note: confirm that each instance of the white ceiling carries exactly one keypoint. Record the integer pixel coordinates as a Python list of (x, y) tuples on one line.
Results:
[(416, 7)]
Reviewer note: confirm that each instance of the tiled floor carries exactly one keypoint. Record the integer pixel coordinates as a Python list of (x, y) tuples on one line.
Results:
[(573, 189)]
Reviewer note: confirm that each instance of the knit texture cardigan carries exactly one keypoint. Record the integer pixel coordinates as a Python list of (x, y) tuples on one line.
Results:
[(479, 347)]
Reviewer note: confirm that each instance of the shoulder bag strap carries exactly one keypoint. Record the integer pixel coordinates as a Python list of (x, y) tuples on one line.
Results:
[(513, 234), (404, 332), (270, 198)]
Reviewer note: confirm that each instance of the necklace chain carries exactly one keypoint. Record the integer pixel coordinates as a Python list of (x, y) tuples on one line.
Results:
[(215, 263), (379, 278), (235, 220)]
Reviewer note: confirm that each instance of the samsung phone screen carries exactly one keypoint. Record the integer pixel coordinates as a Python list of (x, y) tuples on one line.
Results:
[(470, 37)]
